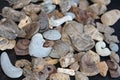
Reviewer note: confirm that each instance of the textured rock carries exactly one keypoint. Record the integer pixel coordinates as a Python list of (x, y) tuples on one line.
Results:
[(111, 17), (60, 49), (9, 29), (73, 34), (65, 5), (75, 66), (36, 46), (115, 57), (111, 38), (59, 76), (103, 68), (6, 43), (80, 76), (43, 22), (97, 8), (88, 63), (21, 47), (52, 35), (93, 32), (31, 29), (67, 60), (114, 69), (105, 29)]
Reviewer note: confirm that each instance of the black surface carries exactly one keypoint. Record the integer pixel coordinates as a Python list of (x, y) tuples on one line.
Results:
[(115, 4)]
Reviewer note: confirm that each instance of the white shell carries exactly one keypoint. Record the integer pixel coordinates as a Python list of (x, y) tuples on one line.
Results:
[(66, 71), (10, 70), (36, 48), (114, 47), (101, 49), (52, 35)]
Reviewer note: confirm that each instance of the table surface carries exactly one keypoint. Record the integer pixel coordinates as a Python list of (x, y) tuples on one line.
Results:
[(115, 4)]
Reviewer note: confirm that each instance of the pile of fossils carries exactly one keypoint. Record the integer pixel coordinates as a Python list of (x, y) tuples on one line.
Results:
[(59, 32)]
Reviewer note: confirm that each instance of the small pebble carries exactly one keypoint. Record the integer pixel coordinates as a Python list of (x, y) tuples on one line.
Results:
[(52, 35), (114, 47), (66, 71)]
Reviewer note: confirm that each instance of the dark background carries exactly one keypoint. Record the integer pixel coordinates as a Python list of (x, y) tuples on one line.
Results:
[(115, 4)]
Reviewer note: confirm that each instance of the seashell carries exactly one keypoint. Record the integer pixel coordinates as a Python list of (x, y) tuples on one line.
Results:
[(114, 47), (6, 44), (111, 17), (51, 61), (105, 2), (32, 8), (80, 76), (52, 35), (83, 4), (21, 47), (105, 29), (115, 57), (101, 49), (69, 16), (78, 40), (114, 69), (68, 26), (97, 9), (59, 76), (66, 71), (111, 38), (65, 5), (48, 43), (38, 64), (43, 22), (22, 63), (83, 16), (56, 14), (78, 56), (24, 22), (75, 66), (88, 63), (60, 49), (36, 48), (7, 67), (31, 29), (93, 32), (8, 29), (12, 14), (67, 60), (103, 68), (48, 7), (21, 3)]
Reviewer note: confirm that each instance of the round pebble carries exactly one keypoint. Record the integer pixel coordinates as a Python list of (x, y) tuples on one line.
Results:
[(52, 35), (114, 47)]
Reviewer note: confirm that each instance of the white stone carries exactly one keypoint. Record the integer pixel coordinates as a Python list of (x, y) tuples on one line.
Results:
[(114, 47), (52, 35), (7, 67), (66, 71), (36, 48)]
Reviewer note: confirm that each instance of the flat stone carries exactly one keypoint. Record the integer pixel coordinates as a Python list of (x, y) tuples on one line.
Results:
[(52, 35), (114, 47)]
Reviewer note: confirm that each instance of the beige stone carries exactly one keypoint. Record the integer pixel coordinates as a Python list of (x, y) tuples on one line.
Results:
[(103, 68), (59, 76), (111, 17), (66, 71)]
